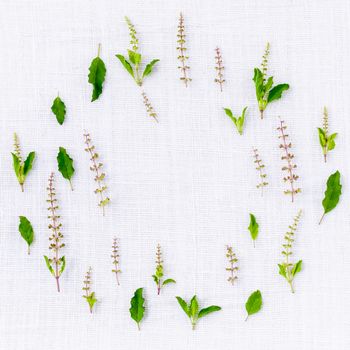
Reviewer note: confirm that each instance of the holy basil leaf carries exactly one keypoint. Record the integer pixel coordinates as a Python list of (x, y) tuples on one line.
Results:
[(253, 227), (332, 193), (254, 303), (276, 92), (26, 230), (63, 262), (259, 83), (65, 164), (125, 64), (28, 163), (208, 310), (282, 271), (16, 165), (149, 68), (134, 57), (59, 109), (297, 267), (48, 264), (322, 137), (97, 76), (184, 306), (194, 306), (137, 308), (169, 280)]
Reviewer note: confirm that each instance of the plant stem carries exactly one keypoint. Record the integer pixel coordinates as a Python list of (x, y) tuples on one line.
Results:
[(138, 326), (28, 249), (58, 283), (291, 286), (22, 187), (321, 218), (99, 50), (246, 318), (261, 114), (71, 186)]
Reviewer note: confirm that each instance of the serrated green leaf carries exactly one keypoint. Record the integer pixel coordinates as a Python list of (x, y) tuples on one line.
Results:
[(47, 261), (137, 308), (276, 92), (184, 306), (149, 68), (26, 230), (208, 310), (59, 109), (332, 193), (167, 281), (254, 303), (65, 164), (282, 270), (253, 227), (97, 76), (28, 163), (297, 268), (125, 64)]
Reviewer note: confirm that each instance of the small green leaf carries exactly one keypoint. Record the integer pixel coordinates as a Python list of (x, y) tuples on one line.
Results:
[(332, 193), (65, 164), (276, 92), (91, 300), (155, 278), (259, 83), (322, 137), (167, 281), (28, 163), (331, 142), (59, 109), (296, 268), (184, 306), (149, 68), (208, 310), (253, 227), (26, 230), (134, 57), (97, 76), (125, 64), (137, 308), (47, 260), (63, 262), (194, 306), (254, 303), (282, 271), (16, 165)]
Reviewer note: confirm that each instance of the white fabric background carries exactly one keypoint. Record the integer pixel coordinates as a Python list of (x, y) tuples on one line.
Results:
[(187, 182)]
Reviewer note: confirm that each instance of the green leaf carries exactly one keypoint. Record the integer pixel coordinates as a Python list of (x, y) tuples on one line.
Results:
[(65, 164), (16, 166), (59, 109), (268, 84), (254, 303), (194, 306), (259, 83), (155, 278), (282, 271), (208, 310), (253, 227), (331, 142), (91, 300), (184, 306), (134, 57), (47, 260), (26, 230), (322, 137), (167, 281), (126, 64), (332, 193), (97, 75), (28, 163), (63, 261), (149, 68), (276, 92), (297, 268), (137, 308)]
